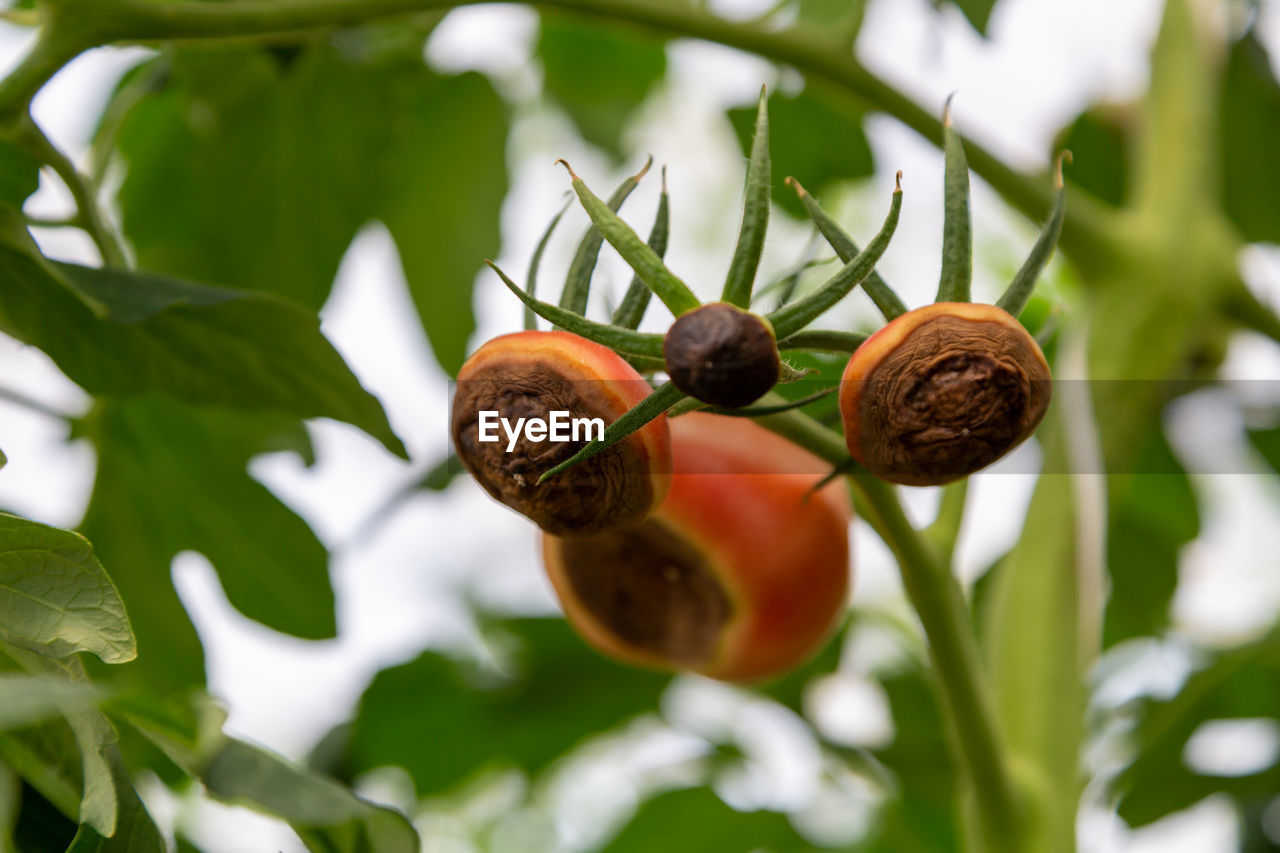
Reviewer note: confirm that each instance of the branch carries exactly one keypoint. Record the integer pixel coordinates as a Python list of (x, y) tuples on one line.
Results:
[(816, 54), (938, 601), (90, 215)]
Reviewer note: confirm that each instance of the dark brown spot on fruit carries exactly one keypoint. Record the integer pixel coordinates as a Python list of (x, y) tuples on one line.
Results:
[(722, 355)]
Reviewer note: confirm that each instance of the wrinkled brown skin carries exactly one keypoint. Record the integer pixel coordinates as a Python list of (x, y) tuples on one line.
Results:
[(529, 374), (722, 355), (942, 392), (742, 574)]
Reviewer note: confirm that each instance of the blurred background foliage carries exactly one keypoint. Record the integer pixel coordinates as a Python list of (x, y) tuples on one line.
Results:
[(254, 167)]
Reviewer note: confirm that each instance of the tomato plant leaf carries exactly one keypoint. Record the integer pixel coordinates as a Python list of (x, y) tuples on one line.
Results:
[(1099, 141), (29, 699), (1239, 683), (1152, 514), (135, 831), (325, 815), (55, 597), (598, 75), (695, 819), (19, 174), (976, 12), (1249, 115), (116, 332), (561, 693), (173, 478), (278, 164), (802, 129)]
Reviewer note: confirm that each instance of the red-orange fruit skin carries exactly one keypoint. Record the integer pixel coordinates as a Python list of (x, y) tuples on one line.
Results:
[(876, 348), (603, 373), (744, 497)]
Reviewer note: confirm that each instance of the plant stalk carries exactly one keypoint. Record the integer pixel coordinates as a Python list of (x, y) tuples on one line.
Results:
[(939, 602)]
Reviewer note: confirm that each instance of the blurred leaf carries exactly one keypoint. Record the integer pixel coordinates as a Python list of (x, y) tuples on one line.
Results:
[(696, 820), (599, 75), (10, 805), (55, 597), (19, 174), (29, 699), (443, 724), (1249, 117), (1099, 142), (811, 140), (1239, 683), (135, 831), (252, 170), (187, 726), (1152, 514), (1267, 443), (325, 815), (40, 826), (978, 12), (446, 193), (3, 459), (173, 478), (123, 333), (921, 817), (829, 13), (101, 765)]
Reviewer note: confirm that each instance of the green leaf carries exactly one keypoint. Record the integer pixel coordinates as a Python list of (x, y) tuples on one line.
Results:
[(55, 597), (187, 726), (3, 459), (636, 299), (599, 75), (1239, 683), (445, 191), (922, 815), (19, 174), (696, 820), (116, 332), (1152, 514), (135, 831), (577, 284), (977, 12), (249, 170), (957, 224), (10, 805), (1267, 443), (325, 815), (1249, 116), (755, 214), (1099, 141), (443, 723), (173, 478), (811, 140), (101, 764), (29, 699)]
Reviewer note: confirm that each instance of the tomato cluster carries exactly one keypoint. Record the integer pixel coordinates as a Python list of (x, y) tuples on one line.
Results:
[(699, 540)]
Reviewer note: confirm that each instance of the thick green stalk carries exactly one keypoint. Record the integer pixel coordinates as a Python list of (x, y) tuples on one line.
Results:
[(938, 601)]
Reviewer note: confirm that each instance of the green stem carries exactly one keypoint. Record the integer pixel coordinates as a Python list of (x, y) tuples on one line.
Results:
[(91, 217), (939, 602), (816, 55)]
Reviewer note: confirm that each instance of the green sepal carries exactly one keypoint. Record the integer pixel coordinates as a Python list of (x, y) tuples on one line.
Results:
[(636, 300), (792, 318), (772, 408), (531, 280), (673, 292), (1015, 297), (620, 340), (957, 228), (755, 215), (885, 298), (823, 339), (663, 398), (577, 284)]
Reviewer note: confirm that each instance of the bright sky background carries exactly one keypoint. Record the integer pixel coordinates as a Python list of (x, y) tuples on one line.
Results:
[(398, 588)]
